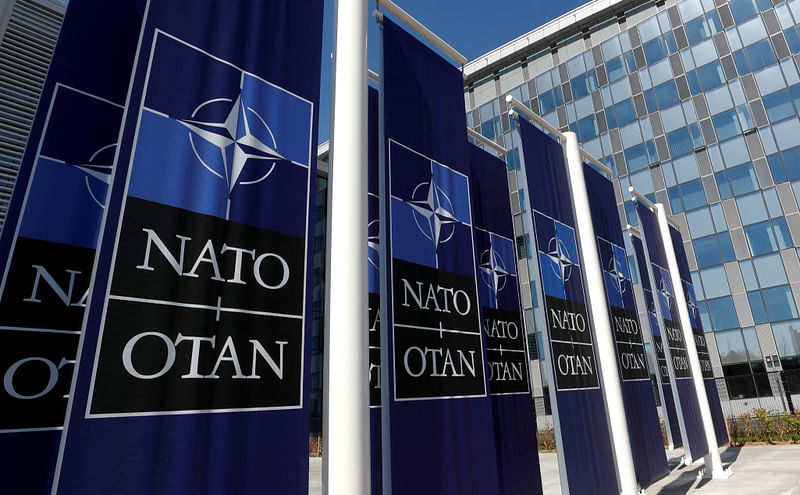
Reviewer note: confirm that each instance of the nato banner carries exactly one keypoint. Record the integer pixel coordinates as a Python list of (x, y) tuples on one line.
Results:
[(192, 369), (49, 238), (581, 422), (374, 297), (647, 445), (436, 408), (677, 358), (671, 423), (720, 429), (503, 331)]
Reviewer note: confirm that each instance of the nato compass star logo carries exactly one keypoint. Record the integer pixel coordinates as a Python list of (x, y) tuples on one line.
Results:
[(617, 272), (244, 135), (373, 244), (433, 212), (98, 166), (561, 264), (493, 270), (664, 291), (692, 303)]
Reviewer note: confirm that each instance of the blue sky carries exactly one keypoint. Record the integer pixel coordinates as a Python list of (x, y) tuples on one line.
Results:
[(473, 27)]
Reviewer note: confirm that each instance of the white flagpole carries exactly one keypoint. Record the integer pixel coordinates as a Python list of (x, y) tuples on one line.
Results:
[(346, 441), (713, 462), (598, 307)]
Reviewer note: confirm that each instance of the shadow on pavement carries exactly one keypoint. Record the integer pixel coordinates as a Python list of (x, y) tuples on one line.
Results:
[(688, 477)]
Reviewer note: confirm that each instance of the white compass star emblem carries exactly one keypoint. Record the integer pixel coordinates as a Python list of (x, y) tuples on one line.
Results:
[(373, 243), (617, 272), (240, 137), (493, 270), (97, 168), (558, 254), (433, 212), (664, 290)]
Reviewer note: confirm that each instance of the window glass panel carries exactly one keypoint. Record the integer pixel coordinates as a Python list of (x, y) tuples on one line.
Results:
[(626, 112), (715, 156), (700, 223), (770, 270), (584, 83), (790, 72), (672, 118), (544, 82), (621, 90), (707, 252), (693, 194), (719, 217), (773, 204), (611, 118), (742, 9), (630, 214), (743, 179), (630, 135), (723, 313), (654, 50), (769, 80), (697, 30), (637, 158), (587, 128), (791, 160), (751, 208), (688, 61), (792, 39), (694, 83), (728, 254), (642, 181), (760, 54), (669, 175), (576, 66), (782, 233), (723, 185), (615, 69), (715, 282), (711, 75), (704, 52), (611, 48), (584, 107), (547, 102), (731, 347), (666, 94), (778, 105), (674, 200), (686, 168), (690, 9), (752, 31), (751, 343), (630, 62), (679, 142), (749, 275), (780, 303), (719, 100), (726, 124), (786, 133), (660, 72), (787, 338), (735, 151), (757, 307), (776, 167), (733, 39), (760, 238)]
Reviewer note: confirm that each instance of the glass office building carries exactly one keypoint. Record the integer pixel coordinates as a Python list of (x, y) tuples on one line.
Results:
[(695, 104)]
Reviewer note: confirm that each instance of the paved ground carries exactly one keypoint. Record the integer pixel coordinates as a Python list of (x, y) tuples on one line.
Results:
[(770, 470)]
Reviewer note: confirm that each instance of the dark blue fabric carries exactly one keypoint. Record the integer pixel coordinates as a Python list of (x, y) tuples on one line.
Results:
[(684, 393), (437, 445), (585, 443), (644, 429), (667, 402), (720, 428), (512, 406), (204, 453), (84, 90), (374, 287)]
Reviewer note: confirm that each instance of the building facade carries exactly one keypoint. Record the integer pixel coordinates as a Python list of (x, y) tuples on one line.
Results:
[(695, 104), (28, 32)]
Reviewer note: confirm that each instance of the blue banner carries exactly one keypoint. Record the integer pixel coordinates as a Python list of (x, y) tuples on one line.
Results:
[(435, 404), (647, 445), (49, 238), (671, 423), (192, 372), (504, 333), (672, 338), (720, 428), (581, 422), (374, 295)]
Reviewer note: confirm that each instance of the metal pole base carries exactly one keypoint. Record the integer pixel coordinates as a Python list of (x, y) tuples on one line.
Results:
[(715, 475)]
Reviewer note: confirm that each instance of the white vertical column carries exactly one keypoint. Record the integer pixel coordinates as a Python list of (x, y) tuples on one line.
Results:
[(713, 462), (346, 454), (604, 334)]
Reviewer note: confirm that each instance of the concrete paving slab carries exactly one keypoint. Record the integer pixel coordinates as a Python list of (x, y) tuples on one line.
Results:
[(757, 470)]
